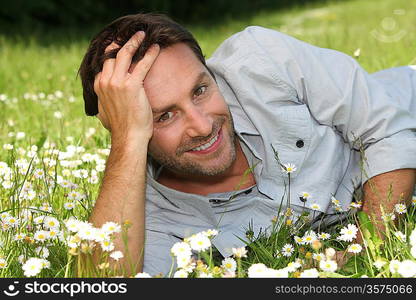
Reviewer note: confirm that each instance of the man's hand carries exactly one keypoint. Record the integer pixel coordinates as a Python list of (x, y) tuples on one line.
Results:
[(124, 110), (377, 189), (123, 106)]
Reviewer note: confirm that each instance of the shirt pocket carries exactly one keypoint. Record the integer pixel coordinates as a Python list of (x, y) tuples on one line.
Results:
[(290, 136)]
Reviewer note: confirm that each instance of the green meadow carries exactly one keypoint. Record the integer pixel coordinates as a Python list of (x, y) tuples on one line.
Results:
[(52, 156)]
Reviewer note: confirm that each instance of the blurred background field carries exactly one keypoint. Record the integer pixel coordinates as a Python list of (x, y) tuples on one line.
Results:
[(42, 44)]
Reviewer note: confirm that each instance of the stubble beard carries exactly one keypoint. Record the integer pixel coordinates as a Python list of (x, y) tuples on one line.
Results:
[(180, 164)]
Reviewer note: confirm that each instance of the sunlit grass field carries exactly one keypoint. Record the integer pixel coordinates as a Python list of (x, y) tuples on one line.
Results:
[(52, 156)]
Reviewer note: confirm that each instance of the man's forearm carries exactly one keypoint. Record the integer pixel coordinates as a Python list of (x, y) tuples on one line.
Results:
[(377, 189), (122, 198)]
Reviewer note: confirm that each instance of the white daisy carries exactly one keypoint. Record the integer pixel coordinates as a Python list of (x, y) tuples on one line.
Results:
[(379, 264), (355, 205), (33, 266), (199, 242), (180, 274), (101, 235), (257, 271), (280, 273), (229, 264), (51, 223), (335, 201), (111, 227), (8, 147), (65, 184), (299, 240), (19, 236), (210, 232), (3, 263), (69, 205), (400, 236), (330, 252), (394, 266), (318, 256), (45, 207), (86, 231), (53, 233), (293, 266), (407, 268), (184, 261), (315, 206), (412, 238), (116, 255), (12, 221), (39, 173), (239, 252), (142, 275), (288, 168), (309, 237), (354, 248), (41, 235), (107, 245), (304, 196), (309, 273), (73, 224), (73, 241), (205, 275), (324, 236), (74, 195), (287, 250), (400, 208), (348, 233), (388, 217), (413, 251), (7, 184), (181, 249), (328, 265)]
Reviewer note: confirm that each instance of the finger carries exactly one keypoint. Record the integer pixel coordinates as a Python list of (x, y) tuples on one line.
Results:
[(144, 65), (97, 83), (111, 47), (102, 116), (126, 53), (108, 66)]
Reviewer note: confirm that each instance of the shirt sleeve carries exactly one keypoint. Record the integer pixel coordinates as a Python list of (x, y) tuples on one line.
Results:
[(342, 95)]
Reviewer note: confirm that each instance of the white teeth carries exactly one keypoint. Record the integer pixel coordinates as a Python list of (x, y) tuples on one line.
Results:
[(207, 145)]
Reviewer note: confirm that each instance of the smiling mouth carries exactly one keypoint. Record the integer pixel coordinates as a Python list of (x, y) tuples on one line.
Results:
[(210, 146), (207, 145)]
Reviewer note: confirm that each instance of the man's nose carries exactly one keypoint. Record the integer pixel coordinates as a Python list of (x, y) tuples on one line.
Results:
[(199, 123)]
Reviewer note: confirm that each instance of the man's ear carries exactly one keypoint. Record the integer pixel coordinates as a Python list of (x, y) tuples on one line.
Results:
[(103, 117)]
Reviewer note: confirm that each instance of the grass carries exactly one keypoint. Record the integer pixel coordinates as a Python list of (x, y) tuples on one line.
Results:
[(38, 83)]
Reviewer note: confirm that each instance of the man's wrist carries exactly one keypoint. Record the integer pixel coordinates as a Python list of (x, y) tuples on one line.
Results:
[(129, 140)]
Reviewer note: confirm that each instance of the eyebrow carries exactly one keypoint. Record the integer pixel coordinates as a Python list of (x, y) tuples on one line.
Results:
[(200, 77)]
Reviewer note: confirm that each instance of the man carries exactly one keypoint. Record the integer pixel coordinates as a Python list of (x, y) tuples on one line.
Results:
[(185, 132)]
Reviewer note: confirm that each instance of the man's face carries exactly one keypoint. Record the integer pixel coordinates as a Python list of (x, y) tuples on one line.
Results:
[(193, 130)]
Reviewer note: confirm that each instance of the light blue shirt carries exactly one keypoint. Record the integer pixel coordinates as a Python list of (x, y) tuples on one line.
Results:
[(311, 105)]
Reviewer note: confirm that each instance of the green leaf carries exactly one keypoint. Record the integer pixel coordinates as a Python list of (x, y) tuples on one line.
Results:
[(41, 140)]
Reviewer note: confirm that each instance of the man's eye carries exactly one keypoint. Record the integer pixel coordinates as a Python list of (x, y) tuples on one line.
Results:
[(166, 116), (200, 90)]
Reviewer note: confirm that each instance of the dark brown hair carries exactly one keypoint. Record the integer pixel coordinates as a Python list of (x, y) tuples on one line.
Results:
[(159, 29)]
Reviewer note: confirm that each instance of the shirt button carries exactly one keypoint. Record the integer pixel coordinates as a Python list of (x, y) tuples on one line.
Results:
[(214, 201), (300, 144), (248, 191)]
